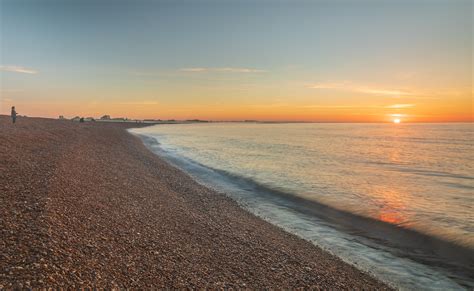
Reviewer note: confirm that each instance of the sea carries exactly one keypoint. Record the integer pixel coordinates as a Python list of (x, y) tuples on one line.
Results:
[(394, 200)]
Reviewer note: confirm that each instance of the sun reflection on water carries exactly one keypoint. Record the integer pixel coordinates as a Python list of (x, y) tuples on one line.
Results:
[(393, 205)]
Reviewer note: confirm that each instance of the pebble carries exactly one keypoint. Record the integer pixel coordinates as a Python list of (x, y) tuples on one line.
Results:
[(95, 209)]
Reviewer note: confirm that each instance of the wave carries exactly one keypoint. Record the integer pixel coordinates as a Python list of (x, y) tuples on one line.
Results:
[(444, 255)]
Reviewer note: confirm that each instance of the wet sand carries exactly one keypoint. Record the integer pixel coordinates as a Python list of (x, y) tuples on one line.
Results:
[(87, 205)]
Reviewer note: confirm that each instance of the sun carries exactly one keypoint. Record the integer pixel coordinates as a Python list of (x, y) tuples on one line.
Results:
[(396, 120)]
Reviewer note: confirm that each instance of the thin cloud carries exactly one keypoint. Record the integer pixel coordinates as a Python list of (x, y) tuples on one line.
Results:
[(342, 107), (360, 89), (398, 115), (399, 106), (139, 103), (281, 104), (224, 69), (18, 69), (194, 70), (335, 107), (11, 90), (328, 86), (383, 92), (239, 70)]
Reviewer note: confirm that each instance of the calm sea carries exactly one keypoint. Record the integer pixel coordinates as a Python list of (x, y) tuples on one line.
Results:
[(395, 200)]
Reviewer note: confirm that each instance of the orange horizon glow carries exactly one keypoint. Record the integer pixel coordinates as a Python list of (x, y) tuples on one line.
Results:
[(224, 113), (405, 112), (327, 62), (320, 102)]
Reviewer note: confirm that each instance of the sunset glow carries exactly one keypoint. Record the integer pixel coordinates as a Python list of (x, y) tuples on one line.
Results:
[(230, 61)]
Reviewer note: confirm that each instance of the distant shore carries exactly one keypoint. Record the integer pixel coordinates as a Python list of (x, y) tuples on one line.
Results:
[(87, 205)]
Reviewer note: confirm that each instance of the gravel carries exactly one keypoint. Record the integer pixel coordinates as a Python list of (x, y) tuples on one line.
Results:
[(87, 205)]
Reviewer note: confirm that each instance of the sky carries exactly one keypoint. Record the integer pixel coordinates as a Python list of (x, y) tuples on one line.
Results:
[(328, 61)]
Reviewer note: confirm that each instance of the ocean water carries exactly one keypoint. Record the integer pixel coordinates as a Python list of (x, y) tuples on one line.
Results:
[(396, 200)]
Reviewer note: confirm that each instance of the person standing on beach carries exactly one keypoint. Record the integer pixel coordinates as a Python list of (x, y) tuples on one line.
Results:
[(13, 114)]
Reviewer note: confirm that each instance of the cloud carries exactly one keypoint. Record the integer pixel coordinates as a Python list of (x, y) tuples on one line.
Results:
[(399, 106), (328, 86), (335, 107), (18, 69), (194, 70), (360, 89), (279, 104), (223, 69), (11, 90), (384, 92), (138, 103), (342, 107)]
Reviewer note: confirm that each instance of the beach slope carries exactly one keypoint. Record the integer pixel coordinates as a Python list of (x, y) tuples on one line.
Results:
[(87, 205)]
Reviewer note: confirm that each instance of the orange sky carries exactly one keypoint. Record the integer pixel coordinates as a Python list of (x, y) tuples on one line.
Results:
[(293, 102), (340, 62)]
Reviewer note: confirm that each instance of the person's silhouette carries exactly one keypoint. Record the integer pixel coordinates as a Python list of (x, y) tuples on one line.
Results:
[(13, 114)]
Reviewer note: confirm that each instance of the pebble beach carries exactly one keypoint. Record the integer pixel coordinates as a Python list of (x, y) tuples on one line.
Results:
[(87, 205)]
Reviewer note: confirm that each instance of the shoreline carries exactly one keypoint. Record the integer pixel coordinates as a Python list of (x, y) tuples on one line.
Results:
[(435, 256), (88, 205)]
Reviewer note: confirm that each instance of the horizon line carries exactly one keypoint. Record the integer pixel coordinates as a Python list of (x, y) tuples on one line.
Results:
[(242, 120)]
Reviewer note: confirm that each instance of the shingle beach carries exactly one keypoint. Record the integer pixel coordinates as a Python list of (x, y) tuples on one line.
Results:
[(87, 205)]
